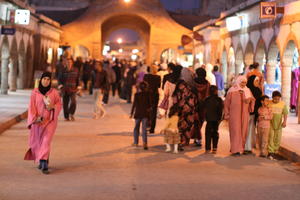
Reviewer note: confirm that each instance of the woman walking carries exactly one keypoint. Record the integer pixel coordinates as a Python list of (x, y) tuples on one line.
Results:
[(239, 103), (44, 108)]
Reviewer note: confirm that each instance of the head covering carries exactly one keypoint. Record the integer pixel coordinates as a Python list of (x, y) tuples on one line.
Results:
[(187, 75), (255, 90), (43, 89), (237, 87), (175, 75), (210, 77)]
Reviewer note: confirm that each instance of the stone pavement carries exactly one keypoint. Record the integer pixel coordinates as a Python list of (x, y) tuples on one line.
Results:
[(94, 159)]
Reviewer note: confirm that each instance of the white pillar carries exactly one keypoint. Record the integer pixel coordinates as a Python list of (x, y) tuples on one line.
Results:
[(4, 75), (13, 73), (286, 82), (271, 71), (22, 73)]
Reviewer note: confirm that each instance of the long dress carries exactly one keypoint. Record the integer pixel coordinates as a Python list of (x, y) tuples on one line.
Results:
[(294, 87), (187, 102), (237, 111), (41, 135)]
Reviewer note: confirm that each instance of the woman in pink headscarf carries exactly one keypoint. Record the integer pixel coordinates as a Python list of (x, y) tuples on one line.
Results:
[(239, 103)]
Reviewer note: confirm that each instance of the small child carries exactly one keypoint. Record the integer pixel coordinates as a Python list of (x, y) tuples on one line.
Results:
[(213, 115), (280, 112), (140, 110), (263, 127), (171, 130)]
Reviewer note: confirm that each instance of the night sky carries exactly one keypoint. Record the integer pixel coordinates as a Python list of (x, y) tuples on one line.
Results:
[(130, 35)]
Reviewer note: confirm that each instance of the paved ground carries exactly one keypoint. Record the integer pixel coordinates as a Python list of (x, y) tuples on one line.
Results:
[(93, 159)]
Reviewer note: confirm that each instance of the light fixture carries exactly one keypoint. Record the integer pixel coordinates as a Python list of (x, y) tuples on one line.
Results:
[(119, 40), (135, 51), (120, 50), (127, 1)]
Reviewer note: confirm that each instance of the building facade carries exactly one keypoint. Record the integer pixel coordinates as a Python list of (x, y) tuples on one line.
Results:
[(240, 37), (32, 47)]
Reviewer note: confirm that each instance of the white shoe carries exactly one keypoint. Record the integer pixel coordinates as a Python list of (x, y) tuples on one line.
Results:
[(168, 150), (175, 152)]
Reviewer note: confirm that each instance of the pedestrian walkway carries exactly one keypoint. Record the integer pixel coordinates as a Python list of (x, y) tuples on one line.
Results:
[(94, 159), (13, 108)]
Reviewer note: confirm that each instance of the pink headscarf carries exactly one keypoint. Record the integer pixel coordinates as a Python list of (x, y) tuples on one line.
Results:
[(237, 87)]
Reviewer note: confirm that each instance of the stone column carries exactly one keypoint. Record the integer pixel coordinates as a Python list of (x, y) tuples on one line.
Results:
[(4, 75), (13, 73), (22, 73), (286, 81), (271, 70)]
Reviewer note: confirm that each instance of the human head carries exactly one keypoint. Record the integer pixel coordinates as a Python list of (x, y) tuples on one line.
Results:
[(276, 96), (45, 80), (264, 100), (69, 63), (143, 86), (216, 68), (201, 73), (171, 67), (213, 90), (255, 65), (241, 81), (253, 81)]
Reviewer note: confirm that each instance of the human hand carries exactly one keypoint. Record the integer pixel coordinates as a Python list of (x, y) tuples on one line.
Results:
[(283, 124), (50, 106)]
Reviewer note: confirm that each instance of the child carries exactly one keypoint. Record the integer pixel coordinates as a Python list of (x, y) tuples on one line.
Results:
[(213, 114), (280, 111), (263, 127), (171, 130), (140, 110)]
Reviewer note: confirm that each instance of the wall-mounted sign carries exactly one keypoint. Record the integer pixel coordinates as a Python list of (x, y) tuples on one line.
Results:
[(22, 16), (7, 31), (237, 22), (267, 10)]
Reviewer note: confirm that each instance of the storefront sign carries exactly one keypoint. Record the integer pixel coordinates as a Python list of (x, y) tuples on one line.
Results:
[(267, 10), (8, 31), (22, 16)]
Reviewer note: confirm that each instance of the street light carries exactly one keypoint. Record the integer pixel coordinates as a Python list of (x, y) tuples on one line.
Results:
[(119, 40)]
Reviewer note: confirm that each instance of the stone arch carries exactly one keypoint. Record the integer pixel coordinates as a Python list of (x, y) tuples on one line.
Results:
[(273, 65), (13, 65), (249, 54), (21, 66), (287, 65), (130, 21), (82, 51), (231, 62), (239, 61), (5, 54), (168, 55)]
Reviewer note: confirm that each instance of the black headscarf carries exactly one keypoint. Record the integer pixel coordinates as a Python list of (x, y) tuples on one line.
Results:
[(256, 91), (175, 75), (43, 89)]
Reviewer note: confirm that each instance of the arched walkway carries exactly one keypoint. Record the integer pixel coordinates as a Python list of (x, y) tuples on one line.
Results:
[(13, 66), (249, 55), (239, 62), (224, 65), (273, 64)]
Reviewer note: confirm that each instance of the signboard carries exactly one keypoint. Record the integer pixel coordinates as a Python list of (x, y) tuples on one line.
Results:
[(8, 31), (268, 10), (22, 16)]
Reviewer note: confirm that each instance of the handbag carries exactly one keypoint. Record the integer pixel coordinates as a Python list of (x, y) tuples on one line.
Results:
[(165, 103)]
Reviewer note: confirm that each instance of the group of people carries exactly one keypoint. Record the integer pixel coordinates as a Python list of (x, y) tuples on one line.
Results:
[(184, 97)]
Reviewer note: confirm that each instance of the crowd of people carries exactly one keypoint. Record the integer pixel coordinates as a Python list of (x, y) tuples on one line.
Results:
[(184, 97)]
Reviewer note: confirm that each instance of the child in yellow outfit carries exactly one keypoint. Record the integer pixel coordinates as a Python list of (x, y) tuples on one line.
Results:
[(171, 130), (280, 112)]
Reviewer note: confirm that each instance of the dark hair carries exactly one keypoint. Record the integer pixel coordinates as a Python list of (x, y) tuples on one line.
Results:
[(276, 94), (213, 90), (201, 72), (255, 65), (216, 68), (264, 97), (143, 86), (171, 66), (173, 110)]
